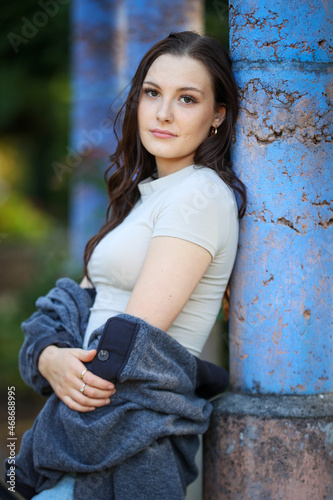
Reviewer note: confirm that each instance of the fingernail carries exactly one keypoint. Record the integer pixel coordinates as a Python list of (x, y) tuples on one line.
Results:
[(107, 401), (92, 409), (111, 386)]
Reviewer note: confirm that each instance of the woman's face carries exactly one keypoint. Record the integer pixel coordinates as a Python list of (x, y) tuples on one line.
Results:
[(176, 111)]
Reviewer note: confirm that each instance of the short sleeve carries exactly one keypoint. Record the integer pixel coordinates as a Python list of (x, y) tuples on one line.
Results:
[(197, 210)]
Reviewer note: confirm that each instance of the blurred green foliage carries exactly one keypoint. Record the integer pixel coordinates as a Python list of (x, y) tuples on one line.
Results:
[(217, 20), (34, 109), (20, 220), (34, 129), (46, 261)]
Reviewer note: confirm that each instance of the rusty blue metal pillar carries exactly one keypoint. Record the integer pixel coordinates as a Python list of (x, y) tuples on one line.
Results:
[(281, 319), (109, 37), (275, 429)]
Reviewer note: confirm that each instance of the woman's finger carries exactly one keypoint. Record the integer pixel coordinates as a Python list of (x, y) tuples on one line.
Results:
[(73, 405), (93, 393), (83, 397), (97, 382)]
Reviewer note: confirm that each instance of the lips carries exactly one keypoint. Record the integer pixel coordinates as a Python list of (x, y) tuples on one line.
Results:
[(162, 134)]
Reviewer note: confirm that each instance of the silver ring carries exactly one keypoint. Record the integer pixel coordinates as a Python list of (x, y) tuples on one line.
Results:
[(84, 371), (82, 388)]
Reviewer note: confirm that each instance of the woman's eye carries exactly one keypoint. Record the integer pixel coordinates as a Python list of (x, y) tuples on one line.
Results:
[(151, 92), (187, 99)]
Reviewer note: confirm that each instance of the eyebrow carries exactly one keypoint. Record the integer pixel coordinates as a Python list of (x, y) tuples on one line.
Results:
[(180, 89)]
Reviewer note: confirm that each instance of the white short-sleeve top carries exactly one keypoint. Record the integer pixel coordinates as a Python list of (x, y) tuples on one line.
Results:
[(193, 204)]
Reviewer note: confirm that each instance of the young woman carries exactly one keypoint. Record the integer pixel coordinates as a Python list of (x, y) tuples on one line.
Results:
[(165, 255)]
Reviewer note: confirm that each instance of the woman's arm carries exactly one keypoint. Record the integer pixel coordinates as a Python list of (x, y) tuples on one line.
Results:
[(171, 271)]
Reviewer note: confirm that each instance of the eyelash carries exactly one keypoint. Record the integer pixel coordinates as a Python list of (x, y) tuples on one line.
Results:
[(192, 99)]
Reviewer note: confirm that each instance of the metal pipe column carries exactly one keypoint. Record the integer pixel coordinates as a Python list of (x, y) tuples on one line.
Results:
[(281, 314), (272, 436)]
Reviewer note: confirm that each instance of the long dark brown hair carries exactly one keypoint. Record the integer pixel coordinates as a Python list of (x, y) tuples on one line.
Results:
[(131, 163)]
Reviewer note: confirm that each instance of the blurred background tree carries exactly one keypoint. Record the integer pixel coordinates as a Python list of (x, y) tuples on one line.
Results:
[(34, 111), (34, 108), (34, 132)]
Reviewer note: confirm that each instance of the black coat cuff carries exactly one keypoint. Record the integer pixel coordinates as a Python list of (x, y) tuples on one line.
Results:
[(211, 379), (114, 348)]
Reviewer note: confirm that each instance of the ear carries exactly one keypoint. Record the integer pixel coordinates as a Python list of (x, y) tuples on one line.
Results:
[(219, 116)]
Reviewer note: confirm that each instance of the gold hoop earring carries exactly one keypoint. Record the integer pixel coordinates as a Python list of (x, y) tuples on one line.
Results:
[(214, 131)]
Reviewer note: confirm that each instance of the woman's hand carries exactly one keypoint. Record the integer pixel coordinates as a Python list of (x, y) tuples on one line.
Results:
[(62, 367)]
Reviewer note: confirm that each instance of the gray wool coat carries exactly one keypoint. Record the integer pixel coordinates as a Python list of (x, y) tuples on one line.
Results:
[(143, 444)]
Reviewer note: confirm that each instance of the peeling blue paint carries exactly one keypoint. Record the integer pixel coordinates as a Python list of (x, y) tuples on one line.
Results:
[(281, 328), (288, 31)]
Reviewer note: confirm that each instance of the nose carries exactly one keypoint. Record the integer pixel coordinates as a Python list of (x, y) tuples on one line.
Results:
[(164, 112)]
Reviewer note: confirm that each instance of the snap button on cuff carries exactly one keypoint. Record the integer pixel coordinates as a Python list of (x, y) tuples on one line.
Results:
[(103, 355)]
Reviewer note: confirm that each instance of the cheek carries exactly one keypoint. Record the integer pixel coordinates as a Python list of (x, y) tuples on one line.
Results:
[(142, 109), (203, 125), (205, 117)]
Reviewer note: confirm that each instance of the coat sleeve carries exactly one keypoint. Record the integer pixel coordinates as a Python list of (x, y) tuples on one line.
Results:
[(211, 379), (51, 324), (39, 332), (114, 348)]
